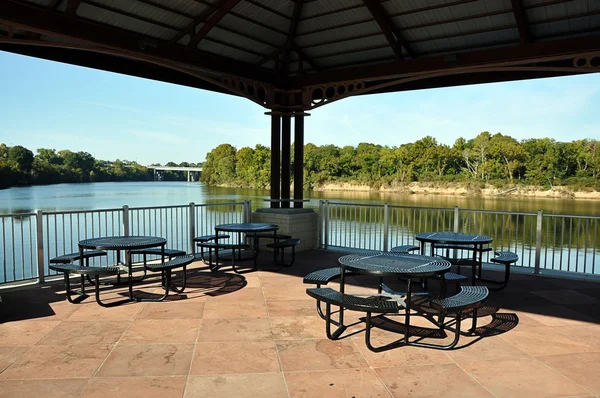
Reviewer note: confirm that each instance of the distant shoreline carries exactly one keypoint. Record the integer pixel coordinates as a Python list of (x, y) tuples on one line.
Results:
[(457, 189)]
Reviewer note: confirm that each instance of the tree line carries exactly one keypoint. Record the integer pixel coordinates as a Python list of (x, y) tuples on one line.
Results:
[(496, 159), (20, 166)]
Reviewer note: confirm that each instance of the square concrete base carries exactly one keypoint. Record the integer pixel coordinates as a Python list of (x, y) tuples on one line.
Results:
[(299, 223)]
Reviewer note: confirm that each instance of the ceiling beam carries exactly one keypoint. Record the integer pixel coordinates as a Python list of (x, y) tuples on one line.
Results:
[(270, 56), (72, 6), (305, 58), (214, 19), (54, 4), (191, 27), (126, 43), (521, 19), (376, 9), (515, 55), (291, 36)]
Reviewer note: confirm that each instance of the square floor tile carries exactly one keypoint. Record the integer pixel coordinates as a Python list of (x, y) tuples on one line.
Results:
[(582, 368), (94, 312), (148, 360), (235, 329), (556, 315), (135, 387), (398, 356), (58, 388), (235, 357), (298, 327), (8, 355), (251, 309), (484, 349), (566, 296), (320, 354), (347, 383), (25, 333), (57, 362), (523, 377), (279, 308), (263, 385), (85, 333), (172, 310), (588, 334), (544, 340), (443, 380), (162, 331)]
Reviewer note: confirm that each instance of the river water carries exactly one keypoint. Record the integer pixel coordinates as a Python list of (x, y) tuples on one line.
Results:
[(568, 243), (64, 197)]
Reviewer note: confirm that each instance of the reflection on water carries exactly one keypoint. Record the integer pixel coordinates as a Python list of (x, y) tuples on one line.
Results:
[(567, 244), (103, 195)]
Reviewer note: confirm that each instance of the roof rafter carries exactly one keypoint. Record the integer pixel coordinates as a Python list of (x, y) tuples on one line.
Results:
[(305, 58), (72, 6), (291, 36), (521, 19), (191, 28), (514, 55), (270, 56), (222, 10), (385, 25), (126, 43)]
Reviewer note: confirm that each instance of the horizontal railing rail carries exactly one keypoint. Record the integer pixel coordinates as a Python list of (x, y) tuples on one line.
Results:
[(29, 240), (558, 242)]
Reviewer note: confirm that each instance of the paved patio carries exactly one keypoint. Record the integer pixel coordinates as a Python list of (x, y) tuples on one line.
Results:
[(258, 335)]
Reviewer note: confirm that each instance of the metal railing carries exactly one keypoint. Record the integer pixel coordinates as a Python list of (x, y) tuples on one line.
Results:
[(29, 240), (542, 241)]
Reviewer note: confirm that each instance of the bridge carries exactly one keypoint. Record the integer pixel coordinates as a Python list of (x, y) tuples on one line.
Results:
[(190, 170)]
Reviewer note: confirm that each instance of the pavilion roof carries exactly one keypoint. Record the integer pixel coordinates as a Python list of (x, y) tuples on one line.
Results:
[(362, 45)]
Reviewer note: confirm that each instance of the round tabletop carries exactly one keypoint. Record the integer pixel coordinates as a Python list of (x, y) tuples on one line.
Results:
[(122, 242), (453, 237), (401, 264), (246, 227)]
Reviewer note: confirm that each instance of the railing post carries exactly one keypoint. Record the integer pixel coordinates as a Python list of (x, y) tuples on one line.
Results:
[(538, 242), (192, 226), (125, 220), (386, 225), (247, 211), (456, 218), (320, 226), (39, 236), (326, 226)]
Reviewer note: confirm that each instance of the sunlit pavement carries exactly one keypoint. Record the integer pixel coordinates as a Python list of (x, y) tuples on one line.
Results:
[(258, 335)]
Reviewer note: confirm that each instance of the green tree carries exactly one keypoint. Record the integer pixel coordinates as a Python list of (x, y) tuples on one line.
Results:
[(23, 158)]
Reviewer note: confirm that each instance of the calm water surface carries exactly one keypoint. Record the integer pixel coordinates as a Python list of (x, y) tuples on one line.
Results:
[(569, 244), (104, 195)]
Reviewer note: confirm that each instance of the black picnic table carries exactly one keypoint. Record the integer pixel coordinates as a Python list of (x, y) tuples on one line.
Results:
[(126, 244), (249, 229), (403, 265), (457, 240)]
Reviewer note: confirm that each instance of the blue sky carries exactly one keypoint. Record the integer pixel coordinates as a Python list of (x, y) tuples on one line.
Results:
[(46, 104)]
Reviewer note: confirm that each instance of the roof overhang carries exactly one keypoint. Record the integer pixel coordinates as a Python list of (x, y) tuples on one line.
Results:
[(56, 31)]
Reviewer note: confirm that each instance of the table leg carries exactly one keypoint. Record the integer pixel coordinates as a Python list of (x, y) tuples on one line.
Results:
[(129, 272), (216, 250), (118, 262), (480, 261), (342, 288), (408, 299), (275, 250)]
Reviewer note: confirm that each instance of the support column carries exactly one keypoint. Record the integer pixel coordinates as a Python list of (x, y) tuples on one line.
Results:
[(299, 158), (275, 152), (286, 126)]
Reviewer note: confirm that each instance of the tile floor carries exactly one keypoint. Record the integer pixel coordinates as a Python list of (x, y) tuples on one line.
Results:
[(258, 335)]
